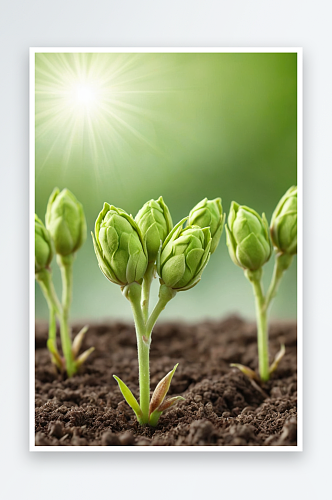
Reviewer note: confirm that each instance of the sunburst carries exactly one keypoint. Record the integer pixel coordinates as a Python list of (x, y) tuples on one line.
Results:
[(90, 105)]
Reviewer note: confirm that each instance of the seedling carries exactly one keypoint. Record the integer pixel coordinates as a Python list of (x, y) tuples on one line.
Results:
[(64, 234), (250, 243), (130, 252)]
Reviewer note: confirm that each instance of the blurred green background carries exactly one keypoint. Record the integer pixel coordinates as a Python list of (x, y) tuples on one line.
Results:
[(125, 128)]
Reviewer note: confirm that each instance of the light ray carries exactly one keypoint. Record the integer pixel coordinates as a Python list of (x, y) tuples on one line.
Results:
[(88, 103)]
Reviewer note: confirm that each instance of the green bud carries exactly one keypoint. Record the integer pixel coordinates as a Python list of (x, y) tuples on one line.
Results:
[(43, 246), (65, 221), (209, 213), (247, 237), (155, 222), (119, 246), (284, 223), (184, 256)]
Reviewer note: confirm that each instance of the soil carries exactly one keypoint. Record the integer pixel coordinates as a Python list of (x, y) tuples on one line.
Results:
[(222, 407)]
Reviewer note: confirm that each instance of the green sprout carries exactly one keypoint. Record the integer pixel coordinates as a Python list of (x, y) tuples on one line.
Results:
[(129, 253), (250, 243), (64, 234)]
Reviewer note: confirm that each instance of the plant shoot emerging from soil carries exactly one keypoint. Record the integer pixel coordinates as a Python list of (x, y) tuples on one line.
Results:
[(250, 243), (64, 234), (130, 252)]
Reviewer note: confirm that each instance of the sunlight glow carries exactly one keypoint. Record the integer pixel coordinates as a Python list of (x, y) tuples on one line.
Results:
[(92, 109), (85, 95)]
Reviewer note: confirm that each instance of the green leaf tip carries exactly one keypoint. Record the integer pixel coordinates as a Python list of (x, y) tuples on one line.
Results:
[(55, 356), (246, 371), (84, 356), (158, 404), (77, 343), (278, 357), (129, 397)]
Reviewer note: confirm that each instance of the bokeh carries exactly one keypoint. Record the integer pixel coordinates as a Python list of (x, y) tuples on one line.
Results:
[(128, 127)]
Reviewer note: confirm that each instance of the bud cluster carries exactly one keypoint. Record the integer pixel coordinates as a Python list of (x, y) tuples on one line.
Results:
[(130, 250), (250, 243), (64, 234)]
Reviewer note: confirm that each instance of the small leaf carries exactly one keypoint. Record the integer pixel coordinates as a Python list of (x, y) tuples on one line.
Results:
[(154, 417), (278, 357), (56, 358), (77, 343), (170, 402), (129, 397), (246, 371), (84, 356), (161, 390)]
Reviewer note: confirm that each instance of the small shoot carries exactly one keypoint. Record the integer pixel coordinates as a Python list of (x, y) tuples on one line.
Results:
[(130, 252), (78, 341), (278, 357), (251, 243), (248, 372), (130, 398), (64, 234)]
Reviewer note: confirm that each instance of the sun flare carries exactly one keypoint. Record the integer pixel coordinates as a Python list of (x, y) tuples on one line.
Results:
[(85, 95), (92, 107)]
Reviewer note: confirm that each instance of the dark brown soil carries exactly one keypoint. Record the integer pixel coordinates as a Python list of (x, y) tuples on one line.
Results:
[(221, 408)]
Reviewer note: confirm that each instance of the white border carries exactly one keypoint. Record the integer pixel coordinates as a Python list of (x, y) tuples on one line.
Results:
[(35, 50)]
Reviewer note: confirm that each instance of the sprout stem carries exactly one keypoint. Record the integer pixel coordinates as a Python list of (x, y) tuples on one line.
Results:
[(133, 293), (52, 324), (262, 326), (262, 332), (44, 279), (66, 268), (147, 280), (282, 263), (165, 295)]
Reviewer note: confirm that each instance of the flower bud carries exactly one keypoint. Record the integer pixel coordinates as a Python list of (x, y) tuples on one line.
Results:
[(119, 246), (209, 213), (155, 223), (284, 223), (65, 221), (43, 246), (184, 256), (247, 237)]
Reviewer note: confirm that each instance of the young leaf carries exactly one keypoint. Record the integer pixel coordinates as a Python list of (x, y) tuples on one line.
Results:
[(169, 402), (78, 341), (161, 390), (84, 356), (56, 358), (278, 357), (246, 371), (129, 397), (154, 417)]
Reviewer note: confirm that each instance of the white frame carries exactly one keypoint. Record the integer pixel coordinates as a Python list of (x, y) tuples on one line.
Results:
[(36, 50)]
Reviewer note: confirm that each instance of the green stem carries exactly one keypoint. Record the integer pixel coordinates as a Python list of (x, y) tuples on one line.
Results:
[(282, 262), (52, 324), (133, 293), (262, 326), (165, 295), (44, 279), (147, 280), (67, 347), (66, 268)]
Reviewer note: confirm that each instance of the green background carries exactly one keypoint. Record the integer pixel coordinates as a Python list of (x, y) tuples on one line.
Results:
[(185, 126)]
